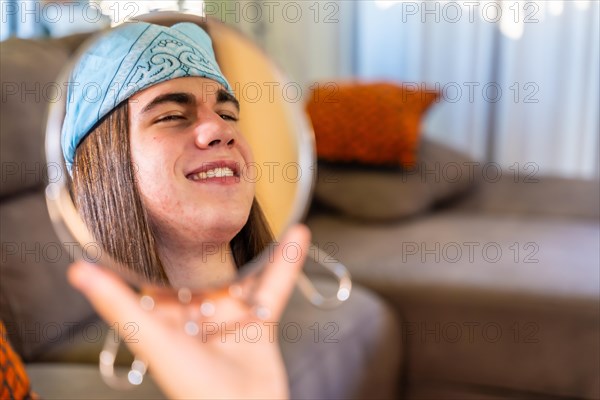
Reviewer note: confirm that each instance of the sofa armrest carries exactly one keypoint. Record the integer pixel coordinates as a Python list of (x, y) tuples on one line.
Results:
[(351, 352)]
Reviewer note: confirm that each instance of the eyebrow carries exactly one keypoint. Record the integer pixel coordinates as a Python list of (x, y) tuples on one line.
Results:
[(224, 96), (179, 98), (188, 99)]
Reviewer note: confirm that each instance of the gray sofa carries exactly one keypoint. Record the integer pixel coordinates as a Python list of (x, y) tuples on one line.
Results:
[(495, 277), (350, 352)]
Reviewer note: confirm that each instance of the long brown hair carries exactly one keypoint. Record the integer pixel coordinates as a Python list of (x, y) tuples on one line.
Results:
[(106, 195)]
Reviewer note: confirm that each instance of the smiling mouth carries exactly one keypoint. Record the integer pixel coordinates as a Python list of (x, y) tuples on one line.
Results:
[(217, 171), (212, 173)]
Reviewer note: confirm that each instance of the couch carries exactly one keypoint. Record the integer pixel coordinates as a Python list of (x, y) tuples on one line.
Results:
[(494, 274), (349, 352)]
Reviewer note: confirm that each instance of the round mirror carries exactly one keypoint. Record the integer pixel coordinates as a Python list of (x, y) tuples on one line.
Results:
[(276, 174)]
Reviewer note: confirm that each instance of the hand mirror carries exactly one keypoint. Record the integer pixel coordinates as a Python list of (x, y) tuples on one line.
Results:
[(272, 121)]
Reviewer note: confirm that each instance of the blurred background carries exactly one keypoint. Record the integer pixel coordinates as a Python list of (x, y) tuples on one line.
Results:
[(519, 78), (476, 272)]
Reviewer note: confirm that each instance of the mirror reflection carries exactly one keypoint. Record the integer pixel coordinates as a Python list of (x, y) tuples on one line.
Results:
[(184, 158)]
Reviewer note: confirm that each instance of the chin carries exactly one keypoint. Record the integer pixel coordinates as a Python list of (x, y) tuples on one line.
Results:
[(224, 227)]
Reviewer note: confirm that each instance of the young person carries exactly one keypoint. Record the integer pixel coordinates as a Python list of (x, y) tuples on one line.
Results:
[(152, 143)]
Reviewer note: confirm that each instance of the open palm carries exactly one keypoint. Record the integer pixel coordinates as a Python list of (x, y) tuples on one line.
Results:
[(232, 351)]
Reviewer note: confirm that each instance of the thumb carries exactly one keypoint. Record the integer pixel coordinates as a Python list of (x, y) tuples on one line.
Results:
[(276, 283), (110, 296)]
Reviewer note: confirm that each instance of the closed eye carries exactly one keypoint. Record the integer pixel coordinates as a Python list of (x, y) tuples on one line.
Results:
[(228, 117), (169, 118)]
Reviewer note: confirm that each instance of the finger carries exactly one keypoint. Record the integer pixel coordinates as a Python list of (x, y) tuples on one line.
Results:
[(154, 342), (277, 280), (112, 298)]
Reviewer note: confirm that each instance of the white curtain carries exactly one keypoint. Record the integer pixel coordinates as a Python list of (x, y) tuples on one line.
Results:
[(521, 79)]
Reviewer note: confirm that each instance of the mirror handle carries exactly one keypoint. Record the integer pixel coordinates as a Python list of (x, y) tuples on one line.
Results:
[(337, 269), (108, 355)]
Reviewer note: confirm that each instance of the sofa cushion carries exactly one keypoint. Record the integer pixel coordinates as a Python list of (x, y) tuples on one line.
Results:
[(352, 352), (513, 193), (503, 302), (39, 307), (83, 381), (370, 123), (29, 69), (374, 194)]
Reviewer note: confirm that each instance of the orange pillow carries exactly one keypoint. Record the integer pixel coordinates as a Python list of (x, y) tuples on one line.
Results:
[(376, 123), (14, 383)]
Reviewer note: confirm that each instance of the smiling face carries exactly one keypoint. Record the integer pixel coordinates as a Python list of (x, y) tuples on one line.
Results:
[(188, 156)]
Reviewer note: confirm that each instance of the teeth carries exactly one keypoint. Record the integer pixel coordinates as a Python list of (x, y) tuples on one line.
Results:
[(212, 173)]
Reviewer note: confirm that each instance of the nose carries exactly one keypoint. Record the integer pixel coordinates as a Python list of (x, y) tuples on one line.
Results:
[(214, 131)]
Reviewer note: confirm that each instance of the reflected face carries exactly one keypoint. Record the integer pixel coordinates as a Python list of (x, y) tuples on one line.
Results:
[(189, 155)]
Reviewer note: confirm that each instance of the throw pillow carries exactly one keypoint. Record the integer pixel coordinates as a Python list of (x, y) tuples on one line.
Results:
[(374, 123), (379, 194), (14, 383)]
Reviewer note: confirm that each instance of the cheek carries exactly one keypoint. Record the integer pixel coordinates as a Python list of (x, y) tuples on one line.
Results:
[(152, 168), (152, 190), (150, 157), (144, 165), (158, 198), (246, 151)]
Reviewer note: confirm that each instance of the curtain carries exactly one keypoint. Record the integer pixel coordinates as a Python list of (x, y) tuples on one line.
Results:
[(21, 18), (520, 79), (36, 18)]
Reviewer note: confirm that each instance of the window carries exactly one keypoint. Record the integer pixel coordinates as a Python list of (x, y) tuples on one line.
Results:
[(40, 18)]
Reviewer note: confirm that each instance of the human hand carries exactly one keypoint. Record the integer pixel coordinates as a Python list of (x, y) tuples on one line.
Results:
[(218, 362)]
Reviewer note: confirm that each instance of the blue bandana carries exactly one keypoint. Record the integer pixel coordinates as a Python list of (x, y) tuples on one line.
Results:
[(125, 61)]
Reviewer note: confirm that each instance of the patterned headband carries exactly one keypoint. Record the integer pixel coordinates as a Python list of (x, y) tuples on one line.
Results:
[(125, 61)]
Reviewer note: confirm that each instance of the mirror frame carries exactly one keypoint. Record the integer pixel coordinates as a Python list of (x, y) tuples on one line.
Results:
[(65, 218)]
